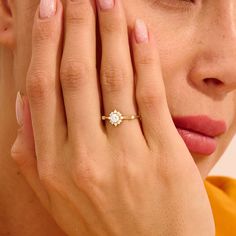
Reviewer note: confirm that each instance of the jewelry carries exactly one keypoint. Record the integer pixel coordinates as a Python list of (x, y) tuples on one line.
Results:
[(116, 117)]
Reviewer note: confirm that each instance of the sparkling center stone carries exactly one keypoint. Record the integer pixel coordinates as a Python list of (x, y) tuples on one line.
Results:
[(114, 118)]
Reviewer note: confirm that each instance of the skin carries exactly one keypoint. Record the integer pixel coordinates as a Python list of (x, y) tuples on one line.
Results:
[(208, 54)]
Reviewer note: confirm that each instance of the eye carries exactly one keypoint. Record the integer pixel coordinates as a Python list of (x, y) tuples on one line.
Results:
[(174, 4)]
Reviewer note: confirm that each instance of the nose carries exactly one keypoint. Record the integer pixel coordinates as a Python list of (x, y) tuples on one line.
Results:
[(214, 64)]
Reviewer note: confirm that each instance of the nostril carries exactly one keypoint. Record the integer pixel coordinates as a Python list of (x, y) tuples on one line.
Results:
[(213, 81)]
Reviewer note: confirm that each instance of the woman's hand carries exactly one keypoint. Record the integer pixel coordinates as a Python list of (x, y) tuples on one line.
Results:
[(96, 179)]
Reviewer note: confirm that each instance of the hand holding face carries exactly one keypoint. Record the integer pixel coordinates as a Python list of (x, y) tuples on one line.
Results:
[(94, 178)]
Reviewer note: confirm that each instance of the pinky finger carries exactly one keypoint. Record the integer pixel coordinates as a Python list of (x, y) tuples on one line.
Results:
[(23, 152), (150, 90)]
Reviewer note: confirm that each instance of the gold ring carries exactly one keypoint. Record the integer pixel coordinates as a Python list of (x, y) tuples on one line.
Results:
[(116, 118)]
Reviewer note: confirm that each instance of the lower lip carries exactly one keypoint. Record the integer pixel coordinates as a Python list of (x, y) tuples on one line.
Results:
[(198, 143)]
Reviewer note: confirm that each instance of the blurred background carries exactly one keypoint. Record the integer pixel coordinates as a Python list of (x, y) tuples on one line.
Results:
[(227, 164)]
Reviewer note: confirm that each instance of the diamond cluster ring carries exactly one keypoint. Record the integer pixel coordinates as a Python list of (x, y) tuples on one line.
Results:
[(116, 117)]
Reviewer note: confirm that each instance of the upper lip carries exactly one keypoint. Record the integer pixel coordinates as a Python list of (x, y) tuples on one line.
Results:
[(201, 124)]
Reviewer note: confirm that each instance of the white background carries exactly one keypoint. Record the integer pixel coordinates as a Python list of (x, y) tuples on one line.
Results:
[(227, 164)]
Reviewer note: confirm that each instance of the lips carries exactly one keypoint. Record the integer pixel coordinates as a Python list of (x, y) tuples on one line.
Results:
[(201, 124), (199, 132)]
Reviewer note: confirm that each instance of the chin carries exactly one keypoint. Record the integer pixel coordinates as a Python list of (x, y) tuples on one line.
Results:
[(205, 163)]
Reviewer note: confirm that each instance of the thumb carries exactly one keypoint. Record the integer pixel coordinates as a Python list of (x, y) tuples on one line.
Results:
[(23, 149), (24, 143)]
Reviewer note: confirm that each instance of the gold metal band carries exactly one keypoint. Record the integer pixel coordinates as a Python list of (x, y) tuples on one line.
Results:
[(116, 117), (131, 117)]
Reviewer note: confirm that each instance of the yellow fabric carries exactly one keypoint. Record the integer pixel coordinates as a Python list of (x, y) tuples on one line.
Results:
[(222, 194)]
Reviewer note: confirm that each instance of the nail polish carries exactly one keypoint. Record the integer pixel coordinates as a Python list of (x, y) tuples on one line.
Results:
[(141, 31), (47, 8), (19, 109), (106, 4)]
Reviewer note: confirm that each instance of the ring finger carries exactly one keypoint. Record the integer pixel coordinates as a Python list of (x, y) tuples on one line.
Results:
[(116, 75)]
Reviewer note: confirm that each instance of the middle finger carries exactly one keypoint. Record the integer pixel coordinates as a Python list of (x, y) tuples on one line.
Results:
[(78, 71)]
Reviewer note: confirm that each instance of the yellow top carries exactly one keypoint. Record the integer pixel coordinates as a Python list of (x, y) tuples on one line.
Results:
[(222, 194)]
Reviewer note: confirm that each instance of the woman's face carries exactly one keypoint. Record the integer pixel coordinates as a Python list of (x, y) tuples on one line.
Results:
[(197, 47)]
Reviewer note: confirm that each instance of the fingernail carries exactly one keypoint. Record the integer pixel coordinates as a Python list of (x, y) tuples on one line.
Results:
[(141, 31), (19, 109), (106, 4), (15, 146), (47, 8)]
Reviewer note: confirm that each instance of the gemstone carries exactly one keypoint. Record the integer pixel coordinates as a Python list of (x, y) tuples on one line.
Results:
[(115, 118)]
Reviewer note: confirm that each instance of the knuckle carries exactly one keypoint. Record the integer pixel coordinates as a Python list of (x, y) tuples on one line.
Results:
[(23, 156), (74, 74), (127, 167), (112, 26), (85, 177), (18, 157), (39, 85), (45, 31), (90, 182), (49, 179), (146, 59), (84, 171), (22, 159), (78, 12), (149, 98), (113, 79)]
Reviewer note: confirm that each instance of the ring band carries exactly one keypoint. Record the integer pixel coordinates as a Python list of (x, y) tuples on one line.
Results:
[(116, 117)]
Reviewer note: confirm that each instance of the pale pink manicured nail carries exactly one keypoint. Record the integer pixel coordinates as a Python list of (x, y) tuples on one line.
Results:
[(47, 8), (141, 31), (19, 109), (106, 4)]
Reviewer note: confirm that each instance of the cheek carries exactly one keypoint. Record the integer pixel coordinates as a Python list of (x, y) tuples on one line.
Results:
[(175, 34), (176, 42)]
